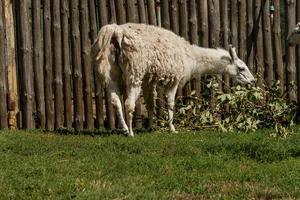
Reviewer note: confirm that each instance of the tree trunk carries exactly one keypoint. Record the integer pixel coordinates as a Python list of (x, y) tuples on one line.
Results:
[(3, 88), (66, 64), (278, 46), (12, 103), (26, 66), (58, 87), (269, 61), (86, 58), (48, 67), (76, 61), (259, 50), (298, 60), (291, 65)]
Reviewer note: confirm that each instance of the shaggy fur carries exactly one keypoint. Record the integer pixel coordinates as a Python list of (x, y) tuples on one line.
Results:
[(139, 56)]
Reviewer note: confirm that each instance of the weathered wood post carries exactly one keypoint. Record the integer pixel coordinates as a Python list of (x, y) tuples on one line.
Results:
[(3, 87), (25, 65), (48, 67), (268, 46), (38, 64), (12, 87), (250, 39), (291, 61), (67, 70), (259, 50), (57, 67), (278, 45), (76, 61), (86, 61)]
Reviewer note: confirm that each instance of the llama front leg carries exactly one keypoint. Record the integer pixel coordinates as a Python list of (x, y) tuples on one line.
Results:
[(132, 96), (114, 93), (171, 93)]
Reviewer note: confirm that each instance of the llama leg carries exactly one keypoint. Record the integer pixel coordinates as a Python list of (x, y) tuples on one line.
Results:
[(171, 93), (133, 94), (114, 93), (148, 94)]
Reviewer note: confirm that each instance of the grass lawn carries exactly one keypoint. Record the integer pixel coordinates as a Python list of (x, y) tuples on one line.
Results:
[(187, 165)]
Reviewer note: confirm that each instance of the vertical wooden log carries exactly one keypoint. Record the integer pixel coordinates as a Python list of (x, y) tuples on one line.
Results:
[(48, 67), (259, 50), (102, 12), (234, 23), (250, 39), (3, 88), (174, 16), (38, 64), (203, 23), (278, 45), (86, 61), (224, 30), (109, 107), (67, 71), (131, 11), (121, 14), (194, 40), (112, 8), (165, 14), (26, 65), (183, 19), (268, 47), (12, 106), (142, 12), (183, 31), (99, 121), (243, 30), (76, 61), (298, 61), (57, 61), (291, 65), (151, 12)]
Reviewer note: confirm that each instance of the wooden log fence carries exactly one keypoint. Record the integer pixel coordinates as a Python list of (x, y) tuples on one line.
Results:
[(47, 78)]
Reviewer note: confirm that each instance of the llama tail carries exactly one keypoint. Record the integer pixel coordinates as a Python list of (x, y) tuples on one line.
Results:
[(105, 49)]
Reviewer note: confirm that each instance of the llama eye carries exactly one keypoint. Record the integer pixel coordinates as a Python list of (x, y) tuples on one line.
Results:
[(241, 69)]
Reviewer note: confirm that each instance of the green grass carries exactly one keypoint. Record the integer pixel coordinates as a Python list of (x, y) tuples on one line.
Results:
[(188, 165)]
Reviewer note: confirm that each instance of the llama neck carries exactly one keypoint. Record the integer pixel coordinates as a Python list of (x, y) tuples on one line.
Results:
[(209, 61)]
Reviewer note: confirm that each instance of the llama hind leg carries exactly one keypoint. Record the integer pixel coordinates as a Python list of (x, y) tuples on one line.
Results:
[(171, 93), (114, 93), (132, 95), (148, 94)]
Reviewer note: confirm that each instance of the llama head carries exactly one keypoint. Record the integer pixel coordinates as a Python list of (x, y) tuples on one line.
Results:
[(238, 69), (294, 36)]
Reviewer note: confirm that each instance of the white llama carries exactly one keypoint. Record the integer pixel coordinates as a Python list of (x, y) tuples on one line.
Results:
[(134, 57)]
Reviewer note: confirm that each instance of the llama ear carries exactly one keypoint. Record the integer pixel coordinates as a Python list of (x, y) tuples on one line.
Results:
[(232, 52)]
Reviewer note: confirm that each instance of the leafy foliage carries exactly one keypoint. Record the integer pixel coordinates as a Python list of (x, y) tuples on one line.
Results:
[(244, 109)]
